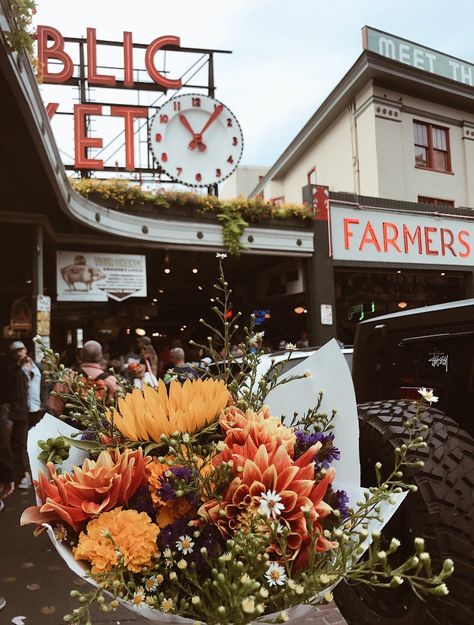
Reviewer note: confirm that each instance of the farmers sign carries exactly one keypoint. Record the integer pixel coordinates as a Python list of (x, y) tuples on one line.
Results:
[(94, 277), (380, 236)]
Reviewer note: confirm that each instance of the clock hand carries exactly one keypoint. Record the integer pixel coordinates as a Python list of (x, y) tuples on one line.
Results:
[(213, 117), (196, 140)]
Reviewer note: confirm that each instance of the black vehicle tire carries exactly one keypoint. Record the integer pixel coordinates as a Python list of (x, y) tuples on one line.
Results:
[(441, 511)]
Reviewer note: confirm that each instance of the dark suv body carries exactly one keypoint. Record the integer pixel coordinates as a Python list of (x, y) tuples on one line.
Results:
[(396, 354)]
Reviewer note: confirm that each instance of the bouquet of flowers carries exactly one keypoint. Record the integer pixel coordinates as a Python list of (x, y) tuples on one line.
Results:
[(217, 500)]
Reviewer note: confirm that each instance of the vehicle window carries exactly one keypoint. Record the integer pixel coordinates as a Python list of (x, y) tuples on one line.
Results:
[(277, 369), (280, 368)]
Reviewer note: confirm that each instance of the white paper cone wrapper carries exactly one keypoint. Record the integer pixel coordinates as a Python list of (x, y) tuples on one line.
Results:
[(330, 374)]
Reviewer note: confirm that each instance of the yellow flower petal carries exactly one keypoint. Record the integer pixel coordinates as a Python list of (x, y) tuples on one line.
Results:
[(146, 415)]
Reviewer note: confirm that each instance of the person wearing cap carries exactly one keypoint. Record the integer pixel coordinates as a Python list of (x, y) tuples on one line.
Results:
[(27, 401)]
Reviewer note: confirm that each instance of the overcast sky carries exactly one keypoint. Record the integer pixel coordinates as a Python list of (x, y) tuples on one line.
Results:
[(287, 56)]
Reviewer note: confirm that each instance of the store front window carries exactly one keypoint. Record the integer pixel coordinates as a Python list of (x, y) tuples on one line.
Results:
[(361, 294)]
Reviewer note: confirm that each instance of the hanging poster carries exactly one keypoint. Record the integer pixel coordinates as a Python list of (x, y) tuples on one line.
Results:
[(96, 276), (43, 315)]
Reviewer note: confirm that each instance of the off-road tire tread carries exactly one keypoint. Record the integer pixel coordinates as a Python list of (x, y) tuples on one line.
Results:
[(443, 505)]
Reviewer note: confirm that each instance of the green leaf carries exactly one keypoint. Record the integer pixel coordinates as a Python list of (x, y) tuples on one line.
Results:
[(150, 447), (85, 445)]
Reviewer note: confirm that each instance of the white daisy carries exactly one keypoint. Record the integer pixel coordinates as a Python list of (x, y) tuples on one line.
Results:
[(139, 596), (290, 347), (270, 505), (256, 339), (275, 574), (151, 584), (185, 544), (222, 256), (427, 395), (167, 605)]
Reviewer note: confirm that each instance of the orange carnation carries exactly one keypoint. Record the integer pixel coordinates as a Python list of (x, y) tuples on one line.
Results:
[(129, 531), (262, 428)]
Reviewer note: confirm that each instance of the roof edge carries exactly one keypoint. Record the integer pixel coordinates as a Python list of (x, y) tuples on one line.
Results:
[(369, 65)]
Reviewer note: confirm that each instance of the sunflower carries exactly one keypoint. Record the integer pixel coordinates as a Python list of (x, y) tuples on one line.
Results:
[(146, 414)]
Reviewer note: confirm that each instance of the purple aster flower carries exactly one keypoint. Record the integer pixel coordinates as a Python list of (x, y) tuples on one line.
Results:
[(171, 533), (340, 501), (141, 501), (327, 453), (209, 537), (182, 473), (166, 492), (89, 434)]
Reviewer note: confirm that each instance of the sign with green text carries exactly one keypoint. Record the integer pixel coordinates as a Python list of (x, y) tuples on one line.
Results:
[(417, 56)]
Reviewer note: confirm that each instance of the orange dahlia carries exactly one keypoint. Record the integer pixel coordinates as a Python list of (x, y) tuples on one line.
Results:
[(129, 531), (269, 482), (95, 487), (262, 428), (146, 414)]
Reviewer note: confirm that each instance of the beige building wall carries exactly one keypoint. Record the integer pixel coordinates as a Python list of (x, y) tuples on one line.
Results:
[(332, 156), (242, 182), (369, 150), (366, 181), (398, 177)]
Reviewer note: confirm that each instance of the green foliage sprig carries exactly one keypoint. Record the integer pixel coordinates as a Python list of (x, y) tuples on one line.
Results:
[(21, 37), (234, 215)]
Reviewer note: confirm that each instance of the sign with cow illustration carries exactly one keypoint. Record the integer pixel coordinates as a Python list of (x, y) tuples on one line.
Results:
[(94, 277)]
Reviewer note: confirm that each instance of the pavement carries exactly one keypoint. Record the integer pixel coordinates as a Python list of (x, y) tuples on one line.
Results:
[(36, 583)]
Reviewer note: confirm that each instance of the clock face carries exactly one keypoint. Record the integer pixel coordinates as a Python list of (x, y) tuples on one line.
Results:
[(196, 140)]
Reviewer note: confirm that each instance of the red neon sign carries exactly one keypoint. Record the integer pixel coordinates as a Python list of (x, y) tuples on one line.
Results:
[(424, 240), (85, 62), (51, 47)]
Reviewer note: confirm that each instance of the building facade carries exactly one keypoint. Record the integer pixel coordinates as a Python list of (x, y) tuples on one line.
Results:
[(387, 161), (242, 182), (394, 127)]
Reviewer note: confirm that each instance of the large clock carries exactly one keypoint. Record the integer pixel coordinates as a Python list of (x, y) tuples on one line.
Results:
[(196, 140)]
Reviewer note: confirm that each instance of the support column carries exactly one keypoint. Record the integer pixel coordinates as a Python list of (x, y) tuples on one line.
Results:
[(320, 271), (37, 269), (469, 284)]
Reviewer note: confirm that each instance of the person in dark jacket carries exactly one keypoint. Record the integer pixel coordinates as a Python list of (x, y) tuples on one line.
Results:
[(27, 402), (180, 370), (7, 483)]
